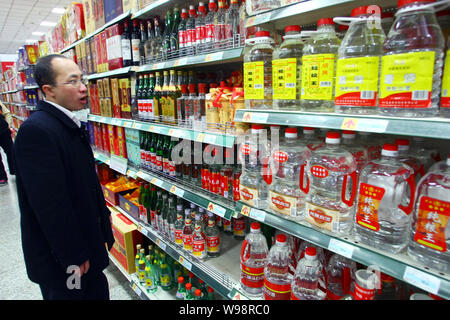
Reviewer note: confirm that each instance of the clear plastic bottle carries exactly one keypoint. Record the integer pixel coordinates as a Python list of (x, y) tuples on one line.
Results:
[(426, 155), (415, 39), (199, 239), (445, 94), (252, 187), (287, 70), (286, 195), (309, 280), (340, 274), (429, 239), (188, 231), (311, 140), (277, 279), (200, 29), (191, 35), (253, 261), (258, 72), (385, 202), (358, 63), (319, 68), (359, 153), (331, 170), (232, 23), (411, 160), (219, 26), (371, 143)]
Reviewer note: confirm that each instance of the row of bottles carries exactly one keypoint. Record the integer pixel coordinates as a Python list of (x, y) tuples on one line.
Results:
[(156, 269), (364, 187), (184, 32), (367, 72), (297, 270)]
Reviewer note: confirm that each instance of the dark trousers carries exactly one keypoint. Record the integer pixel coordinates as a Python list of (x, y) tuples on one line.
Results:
[(93, 286), (6, 144)]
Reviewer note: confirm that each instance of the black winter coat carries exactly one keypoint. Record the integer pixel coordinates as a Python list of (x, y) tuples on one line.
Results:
[(64, 218)]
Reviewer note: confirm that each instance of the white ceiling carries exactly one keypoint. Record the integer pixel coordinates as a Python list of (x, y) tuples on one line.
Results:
[(19, 18)]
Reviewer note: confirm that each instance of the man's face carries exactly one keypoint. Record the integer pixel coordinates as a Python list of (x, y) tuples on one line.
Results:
[(68, 92)]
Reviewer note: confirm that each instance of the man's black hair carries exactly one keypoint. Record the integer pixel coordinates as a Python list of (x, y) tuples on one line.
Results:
[(43, 71)]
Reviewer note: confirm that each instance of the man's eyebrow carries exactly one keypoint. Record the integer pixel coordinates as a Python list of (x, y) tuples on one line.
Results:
[(74, 75)]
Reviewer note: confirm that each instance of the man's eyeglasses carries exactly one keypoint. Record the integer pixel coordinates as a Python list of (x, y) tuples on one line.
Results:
[(76, 83)]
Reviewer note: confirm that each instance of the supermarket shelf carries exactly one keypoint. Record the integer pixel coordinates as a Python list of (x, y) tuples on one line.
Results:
[(214, 205), (142, 292), (110, 23), (230, 55), (114, 72), (399, 265), (153, 9), (310, 11), (31, 87), (182, 133), (119, 266), (421, 127)]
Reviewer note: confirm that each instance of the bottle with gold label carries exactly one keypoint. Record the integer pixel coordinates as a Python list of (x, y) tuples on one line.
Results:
[(415, 39), (358, 63), (318, 68), (288, 162), (286, 70), (157, 98), (164, 96), (172, 95), (385, 201), (258, 72)]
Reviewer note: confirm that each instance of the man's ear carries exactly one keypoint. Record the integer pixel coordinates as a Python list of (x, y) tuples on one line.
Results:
[(47, 90)]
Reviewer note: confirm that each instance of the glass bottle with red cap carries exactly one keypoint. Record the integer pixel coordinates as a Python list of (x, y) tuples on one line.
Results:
[(331, 187), (287, 164), (429, 238), (200, 27), (415, 39), (319, 68), (258, 72), (358, 62), (385, 201), (287, 68)]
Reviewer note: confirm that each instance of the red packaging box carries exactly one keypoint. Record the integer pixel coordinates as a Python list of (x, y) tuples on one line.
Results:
[(114, 46), (106, 143), (122, 142), (104, 53), (113, 139), (98, 57)]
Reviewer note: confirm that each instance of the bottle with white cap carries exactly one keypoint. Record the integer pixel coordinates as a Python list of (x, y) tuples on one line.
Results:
[(385, 201), (330, 201), (426, 155), (372, 143), (310, 139), (286, 195), (358, 152), (277, 279), (429, 242), (411, 160), (309, 279)]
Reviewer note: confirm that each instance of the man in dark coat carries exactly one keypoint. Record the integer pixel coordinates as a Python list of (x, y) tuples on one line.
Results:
[(65, 224)]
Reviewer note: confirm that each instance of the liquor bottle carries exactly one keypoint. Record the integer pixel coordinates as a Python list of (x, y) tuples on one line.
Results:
[(209, 25), (188, 231), (150, 100), (125, 40), (172, 160), (172, 96), (158, 40), (188, 295), (198, 295), (212, 235), (159, 154), (219, 25), (165, 274), (174, 46), (171, 218), (242, 21), (181, 292), (166, 35), (139, 85), (182, 32), (199, 239), (151, 209), (158, 210), (141, 198), (199, 122), (152, 150), (157, 97), (190, 30), (142, 146), (190, 105), (164, 214), (179, 226), (135, 42), (148, 45), (144, 97), (200, 27), (163, 100), (165, 155), (144, 38), (232, 22), (146, 204)]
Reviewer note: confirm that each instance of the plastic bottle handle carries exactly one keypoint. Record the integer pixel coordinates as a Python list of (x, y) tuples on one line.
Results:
[(267, 171), (354, 178), (302, 175), (346, 280), (436, 6), (245, 244), (412, 192)]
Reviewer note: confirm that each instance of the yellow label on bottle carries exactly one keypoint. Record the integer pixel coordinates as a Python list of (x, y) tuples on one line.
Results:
[(318, 76), (248, 195), (286, 205), (407, 79), (284, 79), (445, 96), (321, 217), (254, 80), (357, 81)]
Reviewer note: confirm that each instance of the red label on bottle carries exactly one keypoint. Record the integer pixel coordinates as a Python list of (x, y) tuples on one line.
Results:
[(178, 236), (246, 194), (153, 159), (252, 277), (182, 38), (212, 243), (368, 205), (245, 149), (273, 291), (224, 185), (280, 203), (236, 193), (407, 100), (319, 171), (199, 34), (191, 37), (148, 157), (172, 168), (198, 247), (153, 217), (363, 294), (143, 156), (187, 241), (280, 156), (158, 163), (209, 32), (166, 165), (319, 216), (205, 178)]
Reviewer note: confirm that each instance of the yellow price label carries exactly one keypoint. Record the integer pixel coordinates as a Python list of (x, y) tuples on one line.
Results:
[(200, 137), (245, 211), (349, 124), (173, 189)]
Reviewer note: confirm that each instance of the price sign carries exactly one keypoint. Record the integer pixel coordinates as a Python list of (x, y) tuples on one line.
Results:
[(220, 211), (185, 262), (118, 164), (349, 124), (422, 280), (342, 248)]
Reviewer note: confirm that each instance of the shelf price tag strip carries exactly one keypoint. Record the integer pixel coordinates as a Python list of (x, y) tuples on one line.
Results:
[(342, 248), (118, 164), (422, 280)]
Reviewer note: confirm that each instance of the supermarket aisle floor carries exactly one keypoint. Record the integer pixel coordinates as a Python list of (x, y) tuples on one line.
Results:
[(14, 282)]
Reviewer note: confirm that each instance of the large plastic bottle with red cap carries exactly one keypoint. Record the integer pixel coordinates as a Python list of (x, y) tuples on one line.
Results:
[(340, 275), (358, 63), (385, 200), (309, 279), (331, 187), (415, 39), (319, 68), (258, 72), (253, 261), (287, 164), (287, 70), (429, 242)]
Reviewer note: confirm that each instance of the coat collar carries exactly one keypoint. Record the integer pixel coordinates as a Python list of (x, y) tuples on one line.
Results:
[(47, 107)]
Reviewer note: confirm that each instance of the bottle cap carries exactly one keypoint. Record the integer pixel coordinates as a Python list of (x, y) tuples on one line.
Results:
[(333, 138), (403, 144), (325, 21), (292, 29), (188, 286), (211, 290), (255, 226), (180, 279), (198, 293), (257, 127), (202, 88), (281, 238), (387, 15), (212, 5), (347, 134), (390, 150), (308, 130), (310, 252), (402, 3), (262, 34), (191, 87), (343, 27), (291, 130)]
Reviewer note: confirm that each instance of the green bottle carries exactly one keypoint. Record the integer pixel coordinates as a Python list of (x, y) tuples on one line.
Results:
[(181, 292), (165, 275), (177, 271), (150, 93), (145, 203), (150, 282), (159, 154), (158, 211), (189, 295), (198, 295), (141, 270), (164, 213), (151, 211), (210, 295)]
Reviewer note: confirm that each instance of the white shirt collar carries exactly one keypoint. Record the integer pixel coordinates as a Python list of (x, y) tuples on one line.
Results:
[(67, 112)]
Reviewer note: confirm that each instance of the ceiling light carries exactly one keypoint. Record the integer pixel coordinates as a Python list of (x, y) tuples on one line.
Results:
[(37, 33), (58, 10), (48, 24)]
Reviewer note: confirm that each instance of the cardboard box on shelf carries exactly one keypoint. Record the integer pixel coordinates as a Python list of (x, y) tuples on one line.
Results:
[(99, 13), (104, 53), (126, 238), (129, 5), (114, 46), (106, 142), (108, 108), (106, 88), (125, 97), (113, 9), (121, 141), (115, 93), (113, 141)]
